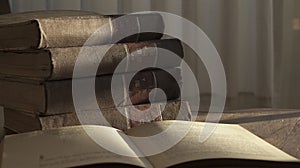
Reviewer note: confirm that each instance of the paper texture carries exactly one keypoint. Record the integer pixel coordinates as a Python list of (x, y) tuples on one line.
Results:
[(64, 148), (227, 141), (71, 146)]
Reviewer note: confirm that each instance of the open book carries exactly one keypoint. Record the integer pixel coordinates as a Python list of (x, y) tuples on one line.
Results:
[(228, 146)]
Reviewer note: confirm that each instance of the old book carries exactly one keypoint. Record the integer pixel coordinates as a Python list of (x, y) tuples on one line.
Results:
[(63, 28), (55, 97), (128, 117), (228, 146), (279, 127), (58, 63)]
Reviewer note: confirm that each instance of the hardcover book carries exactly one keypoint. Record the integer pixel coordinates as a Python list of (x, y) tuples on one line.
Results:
[(64, 28), (58, 63), (128, 117), (228, 146), (55, 97)]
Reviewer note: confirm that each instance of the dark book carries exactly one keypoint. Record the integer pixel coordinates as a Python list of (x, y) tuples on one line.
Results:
[(63, 28), (58, 63), (55, 97), (228, 146), (127, 118)]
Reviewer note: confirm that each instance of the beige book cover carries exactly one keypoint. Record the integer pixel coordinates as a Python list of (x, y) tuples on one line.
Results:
[(59, 63), (65, 28)]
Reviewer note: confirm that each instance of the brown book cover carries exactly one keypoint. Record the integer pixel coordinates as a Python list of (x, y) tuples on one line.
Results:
[(59, 63), (65, 28), (55, 97), (19, 121)]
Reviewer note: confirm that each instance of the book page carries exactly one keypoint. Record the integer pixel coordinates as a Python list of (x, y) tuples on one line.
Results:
[(66, 147), (227, 141)]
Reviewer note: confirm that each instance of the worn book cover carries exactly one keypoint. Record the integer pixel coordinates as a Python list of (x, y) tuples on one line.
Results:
[(59, 63), (55, 97), (65, 28), (121, 118)]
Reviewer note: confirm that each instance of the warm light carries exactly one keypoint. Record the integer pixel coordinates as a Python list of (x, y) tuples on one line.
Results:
[(296, 24)]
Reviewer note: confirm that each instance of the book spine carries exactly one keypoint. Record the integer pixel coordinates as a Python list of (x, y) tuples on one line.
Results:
[(59, 93), (75, 32), (64, 59), (155, 112)]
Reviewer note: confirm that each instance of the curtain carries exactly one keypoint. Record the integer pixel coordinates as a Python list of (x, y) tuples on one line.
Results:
[(256, 39)]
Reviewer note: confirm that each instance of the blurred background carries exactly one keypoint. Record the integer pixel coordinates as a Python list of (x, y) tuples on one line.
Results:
[(258, 41)]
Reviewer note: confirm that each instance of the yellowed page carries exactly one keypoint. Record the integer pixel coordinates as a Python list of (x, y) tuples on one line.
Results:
[(227, 141), (65, 147)]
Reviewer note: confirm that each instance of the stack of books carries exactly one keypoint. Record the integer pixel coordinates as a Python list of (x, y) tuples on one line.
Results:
[(38, 55)]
